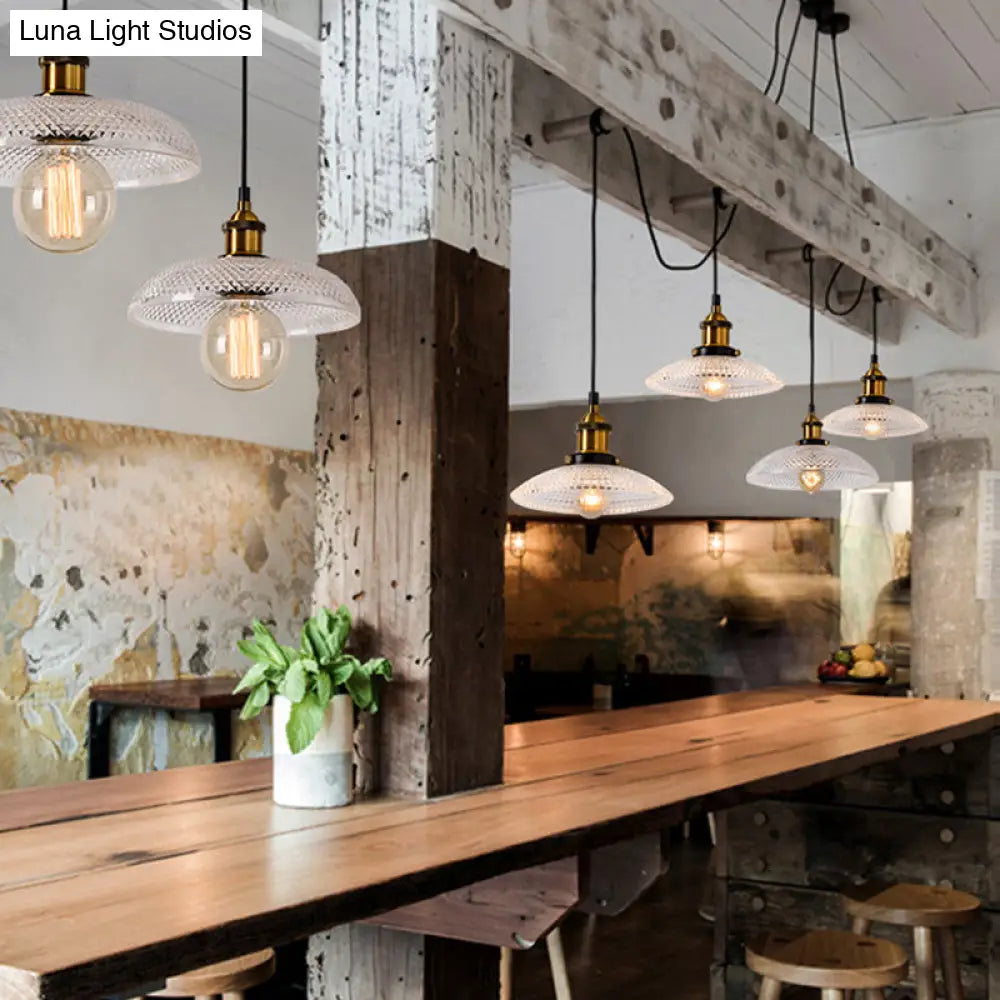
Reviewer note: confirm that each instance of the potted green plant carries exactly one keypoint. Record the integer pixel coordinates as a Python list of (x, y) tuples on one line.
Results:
[(313, 690)]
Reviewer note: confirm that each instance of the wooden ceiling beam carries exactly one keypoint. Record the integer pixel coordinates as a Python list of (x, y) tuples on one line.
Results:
[(540, 98), (648, 70)]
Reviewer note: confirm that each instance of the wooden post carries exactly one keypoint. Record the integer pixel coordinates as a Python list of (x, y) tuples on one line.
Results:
[(411, 426)]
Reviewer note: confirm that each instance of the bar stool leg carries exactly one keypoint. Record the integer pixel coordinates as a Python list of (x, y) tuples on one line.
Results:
[(770, 989), (233, 996), (557, 960), (832, 995), (949, 963), (923, 950), (861, 926), (506, 974)]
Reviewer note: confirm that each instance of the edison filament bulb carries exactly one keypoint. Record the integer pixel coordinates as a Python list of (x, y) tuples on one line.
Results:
[(244, 346), (64, 201), (811, 480), (714, 388), (591, 502)]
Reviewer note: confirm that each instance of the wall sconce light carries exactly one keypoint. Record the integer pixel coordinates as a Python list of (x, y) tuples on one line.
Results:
[(517, 538), (716, 546)]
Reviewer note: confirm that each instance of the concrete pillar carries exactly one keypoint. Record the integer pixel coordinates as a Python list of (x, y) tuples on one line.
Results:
[(953, 631)]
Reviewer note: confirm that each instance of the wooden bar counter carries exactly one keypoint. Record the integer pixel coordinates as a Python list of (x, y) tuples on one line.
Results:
[(109, 886)]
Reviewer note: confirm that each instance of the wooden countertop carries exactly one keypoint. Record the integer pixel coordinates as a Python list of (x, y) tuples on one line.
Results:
[(109, 886)]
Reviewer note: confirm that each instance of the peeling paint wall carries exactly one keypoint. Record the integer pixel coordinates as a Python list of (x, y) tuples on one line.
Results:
[(132, 554)]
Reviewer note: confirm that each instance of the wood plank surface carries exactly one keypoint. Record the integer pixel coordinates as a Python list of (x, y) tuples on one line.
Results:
[(191, 694), (236, 876)]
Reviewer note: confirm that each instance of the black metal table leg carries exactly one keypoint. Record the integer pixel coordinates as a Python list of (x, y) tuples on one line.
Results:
[(99, 740), (222, 719)]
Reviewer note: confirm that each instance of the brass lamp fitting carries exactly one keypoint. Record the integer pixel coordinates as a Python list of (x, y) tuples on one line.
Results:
[(875, 386), (593, 433), (715, 329), (64, 75), (812, 430), (244, 232)]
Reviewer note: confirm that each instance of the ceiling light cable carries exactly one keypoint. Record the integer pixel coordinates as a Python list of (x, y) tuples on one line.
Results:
[(717, 237), (776, 57), (788, 57)]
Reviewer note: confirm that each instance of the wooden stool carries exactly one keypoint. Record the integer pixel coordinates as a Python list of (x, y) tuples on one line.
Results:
[(933, 912), (831, 961), (227, 979), (557, 963)]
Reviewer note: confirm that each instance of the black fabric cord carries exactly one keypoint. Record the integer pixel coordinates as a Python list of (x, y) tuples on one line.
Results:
[(876, 299), (788, 57), (812, 85), (807, 256), (716, 241), (776, 58), (244, 187), (596, 131)]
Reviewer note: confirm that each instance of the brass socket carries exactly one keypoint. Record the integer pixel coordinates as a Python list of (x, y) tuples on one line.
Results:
[(715, 328), (64, 74), (244, 232), (812, 430), (874, 382), (593, 433)]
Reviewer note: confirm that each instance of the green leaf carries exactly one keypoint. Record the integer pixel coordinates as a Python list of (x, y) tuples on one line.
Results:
[(324, 688), (268, 644), (308, 649), (359, 687), (255, 703), (291, 653), (253, 677), (293, 684), (252, 651), (318, 640), (310, 665), (304, 723), (379, 667), (336, 626), (344, 668)]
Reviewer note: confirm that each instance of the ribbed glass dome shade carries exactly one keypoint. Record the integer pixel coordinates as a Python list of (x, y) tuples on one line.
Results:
[(137, 145), (811, 468), (874, 421), (184, 297), (714, 377), (591, 490)]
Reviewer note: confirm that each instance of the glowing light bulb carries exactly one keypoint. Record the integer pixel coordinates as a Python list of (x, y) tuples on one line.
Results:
[(518, 543), (244, 346), (716, 539), (591, 502), (65, 201), (714, 387), (873, 429), (811, 480)]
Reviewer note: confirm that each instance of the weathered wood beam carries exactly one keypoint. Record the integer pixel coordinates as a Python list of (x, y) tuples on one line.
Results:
[(647, 69), (540, 98)]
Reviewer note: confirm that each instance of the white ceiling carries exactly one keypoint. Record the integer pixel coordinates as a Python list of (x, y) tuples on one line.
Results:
[(902, 59)]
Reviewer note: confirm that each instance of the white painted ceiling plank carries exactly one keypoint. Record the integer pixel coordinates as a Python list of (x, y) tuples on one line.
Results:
[(959, 21)]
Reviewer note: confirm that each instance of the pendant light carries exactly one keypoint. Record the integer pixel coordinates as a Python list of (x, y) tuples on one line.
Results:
[(874, 415), (592, 483), (813, 464), (65, 152), (243, 304), (716, 370)]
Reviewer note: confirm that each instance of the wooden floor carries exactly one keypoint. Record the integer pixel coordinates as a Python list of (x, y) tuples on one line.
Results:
[(172, 870)]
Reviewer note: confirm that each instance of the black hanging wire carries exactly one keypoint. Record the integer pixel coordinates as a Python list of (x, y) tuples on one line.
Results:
[(812, 88), (809, 258), (788, 57), (876, 299), (597, 130), (717, 238), (842, 103), (244, 187), (716, 214), (776, 57)]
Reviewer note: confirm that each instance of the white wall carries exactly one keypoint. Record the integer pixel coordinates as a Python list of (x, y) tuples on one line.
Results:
[(65, 345)]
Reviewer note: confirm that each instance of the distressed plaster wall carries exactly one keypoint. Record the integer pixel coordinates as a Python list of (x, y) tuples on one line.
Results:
[(767, 612), (131, 554)]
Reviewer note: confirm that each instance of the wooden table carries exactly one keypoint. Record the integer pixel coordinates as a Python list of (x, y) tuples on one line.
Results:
[(108, 887), (187, 694)]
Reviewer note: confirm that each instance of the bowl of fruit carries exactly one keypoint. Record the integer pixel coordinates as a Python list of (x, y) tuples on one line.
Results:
[(854, 665)]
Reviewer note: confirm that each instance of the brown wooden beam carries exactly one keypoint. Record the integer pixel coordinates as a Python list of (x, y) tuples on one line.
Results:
[(648, 70)]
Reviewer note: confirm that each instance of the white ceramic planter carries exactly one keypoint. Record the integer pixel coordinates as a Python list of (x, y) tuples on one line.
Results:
[(320, 777)]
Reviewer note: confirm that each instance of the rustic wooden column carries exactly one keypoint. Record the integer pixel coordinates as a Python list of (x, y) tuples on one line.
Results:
[(411, 426)]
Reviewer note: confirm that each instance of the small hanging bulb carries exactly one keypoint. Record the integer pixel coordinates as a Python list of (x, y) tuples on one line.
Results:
[(873, 429), (591, 502), (811, 480), (716, 546), (244, 347), (714, 388)]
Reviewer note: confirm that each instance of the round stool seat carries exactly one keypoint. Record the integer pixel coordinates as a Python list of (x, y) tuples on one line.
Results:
[(232, 976), (827, 960), (911, 905)]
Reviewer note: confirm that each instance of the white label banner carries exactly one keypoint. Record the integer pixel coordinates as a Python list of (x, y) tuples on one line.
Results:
[(136, 33)]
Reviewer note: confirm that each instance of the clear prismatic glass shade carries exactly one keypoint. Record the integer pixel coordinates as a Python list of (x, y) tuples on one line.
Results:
[(714, 377), (185, 297), (137, 146), (874, 421), (591, 490), (812, 468)]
